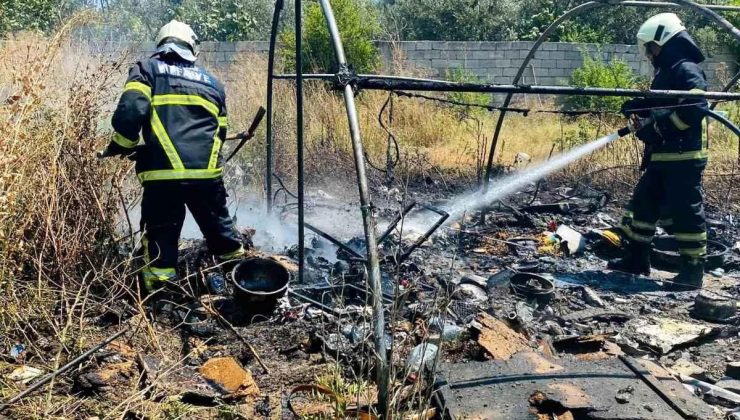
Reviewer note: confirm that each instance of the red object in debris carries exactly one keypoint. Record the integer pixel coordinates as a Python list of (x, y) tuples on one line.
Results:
[(552, 226), (404, 282)]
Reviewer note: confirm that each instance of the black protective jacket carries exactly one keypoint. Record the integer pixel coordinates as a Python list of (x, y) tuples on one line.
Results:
[(180, 111), (678, 131)]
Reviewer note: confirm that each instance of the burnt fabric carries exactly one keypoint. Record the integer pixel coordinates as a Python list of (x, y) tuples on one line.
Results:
[(670, 191), (163, 213)]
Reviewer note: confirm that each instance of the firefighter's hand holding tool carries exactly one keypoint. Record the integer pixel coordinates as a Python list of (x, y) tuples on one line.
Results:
[(246, 135)]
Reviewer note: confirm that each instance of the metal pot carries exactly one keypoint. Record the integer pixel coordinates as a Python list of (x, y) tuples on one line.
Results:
[(532, 287), (259, 280)]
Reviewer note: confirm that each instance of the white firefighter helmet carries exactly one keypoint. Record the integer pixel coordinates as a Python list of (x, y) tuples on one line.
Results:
[(659, 29), (181, 32)]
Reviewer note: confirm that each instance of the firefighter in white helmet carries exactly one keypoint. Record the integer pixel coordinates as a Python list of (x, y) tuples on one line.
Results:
[(675, 155), (179, 110)]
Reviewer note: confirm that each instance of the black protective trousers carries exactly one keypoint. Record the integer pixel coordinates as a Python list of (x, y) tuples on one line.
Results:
[(670, 192), (162, 216)]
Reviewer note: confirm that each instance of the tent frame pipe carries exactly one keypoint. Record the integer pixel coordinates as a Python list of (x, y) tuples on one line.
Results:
[(368, 218), (270, 79), (299, 138)]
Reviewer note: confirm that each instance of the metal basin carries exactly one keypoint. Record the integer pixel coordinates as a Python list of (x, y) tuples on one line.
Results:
[(665, 253), (532, 287), (259, 280)]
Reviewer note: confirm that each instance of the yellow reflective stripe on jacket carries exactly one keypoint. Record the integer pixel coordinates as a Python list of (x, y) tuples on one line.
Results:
[(140, 87), (213, 161), (124, 142), (175, 174), (677, 157), (686, 237), (164, 140), (223, 121), (175, 99), (678, 122)]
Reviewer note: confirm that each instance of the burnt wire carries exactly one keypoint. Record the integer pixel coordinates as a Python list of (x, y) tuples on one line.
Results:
[(393, 162), (527, 111)]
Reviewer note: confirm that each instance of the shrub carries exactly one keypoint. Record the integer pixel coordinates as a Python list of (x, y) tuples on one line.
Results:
[(595, 73), (358, 25), (466, 76)]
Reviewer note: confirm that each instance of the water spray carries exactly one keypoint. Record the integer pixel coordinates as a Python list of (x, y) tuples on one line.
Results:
[(514, 182)]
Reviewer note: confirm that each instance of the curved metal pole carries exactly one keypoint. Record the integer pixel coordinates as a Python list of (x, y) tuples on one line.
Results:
[(494, 141), (368, 219), (576, 10), (299, 136), (270, 78)]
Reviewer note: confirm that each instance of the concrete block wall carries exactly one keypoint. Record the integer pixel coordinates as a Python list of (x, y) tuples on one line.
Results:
[(495, 62), (498, 62)]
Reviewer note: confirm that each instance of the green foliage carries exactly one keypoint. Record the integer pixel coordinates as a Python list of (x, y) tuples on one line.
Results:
[(465, 76), (227, 20), (595, 73), (452, 20), (358, 24), (20, 15)]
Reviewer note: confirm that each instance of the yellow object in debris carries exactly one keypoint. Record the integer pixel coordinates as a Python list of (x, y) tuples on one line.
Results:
[(612, 238)]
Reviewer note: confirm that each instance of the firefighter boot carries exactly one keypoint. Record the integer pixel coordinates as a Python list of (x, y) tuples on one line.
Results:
[(690, 276), (635, 261)]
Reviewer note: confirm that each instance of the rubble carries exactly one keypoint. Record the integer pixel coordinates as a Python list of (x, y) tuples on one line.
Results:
[(663, 335), (714, 306), (24, 374), (229, 377), (497, 338)]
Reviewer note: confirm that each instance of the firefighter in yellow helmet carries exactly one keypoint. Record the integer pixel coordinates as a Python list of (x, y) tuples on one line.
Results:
[(171, 119)]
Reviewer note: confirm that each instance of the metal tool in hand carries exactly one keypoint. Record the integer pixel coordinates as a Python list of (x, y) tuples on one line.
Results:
[(246, 135)]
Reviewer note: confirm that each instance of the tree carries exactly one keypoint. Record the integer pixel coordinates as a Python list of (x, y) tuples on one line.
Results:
[(453, 20), (227, 20), (358, 24)]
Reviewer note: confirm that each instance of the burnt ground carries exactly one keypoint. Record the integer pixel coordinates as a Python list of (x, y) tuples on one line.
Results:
[(529, 354)]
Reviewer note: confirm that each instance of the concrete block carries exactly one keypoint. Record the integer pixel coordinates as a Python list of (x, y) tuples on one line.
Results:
[(226, 46), (510, 71), (563, 46), (463, 55), (558, 55), (549, 46), (511, 54), (423, 45), (488, 46), (573, 55), (441, 45), (473, 64), (479, 54), (440, 63), (208, 46), (431, 54), (242, 46), (568, 64), (523, 53), (504, 46), (544, 54), (407, 45)]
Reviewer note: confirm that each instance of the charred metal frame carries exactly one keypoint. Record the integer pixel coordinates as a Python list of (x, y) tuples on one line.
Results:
[(347, 81)]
